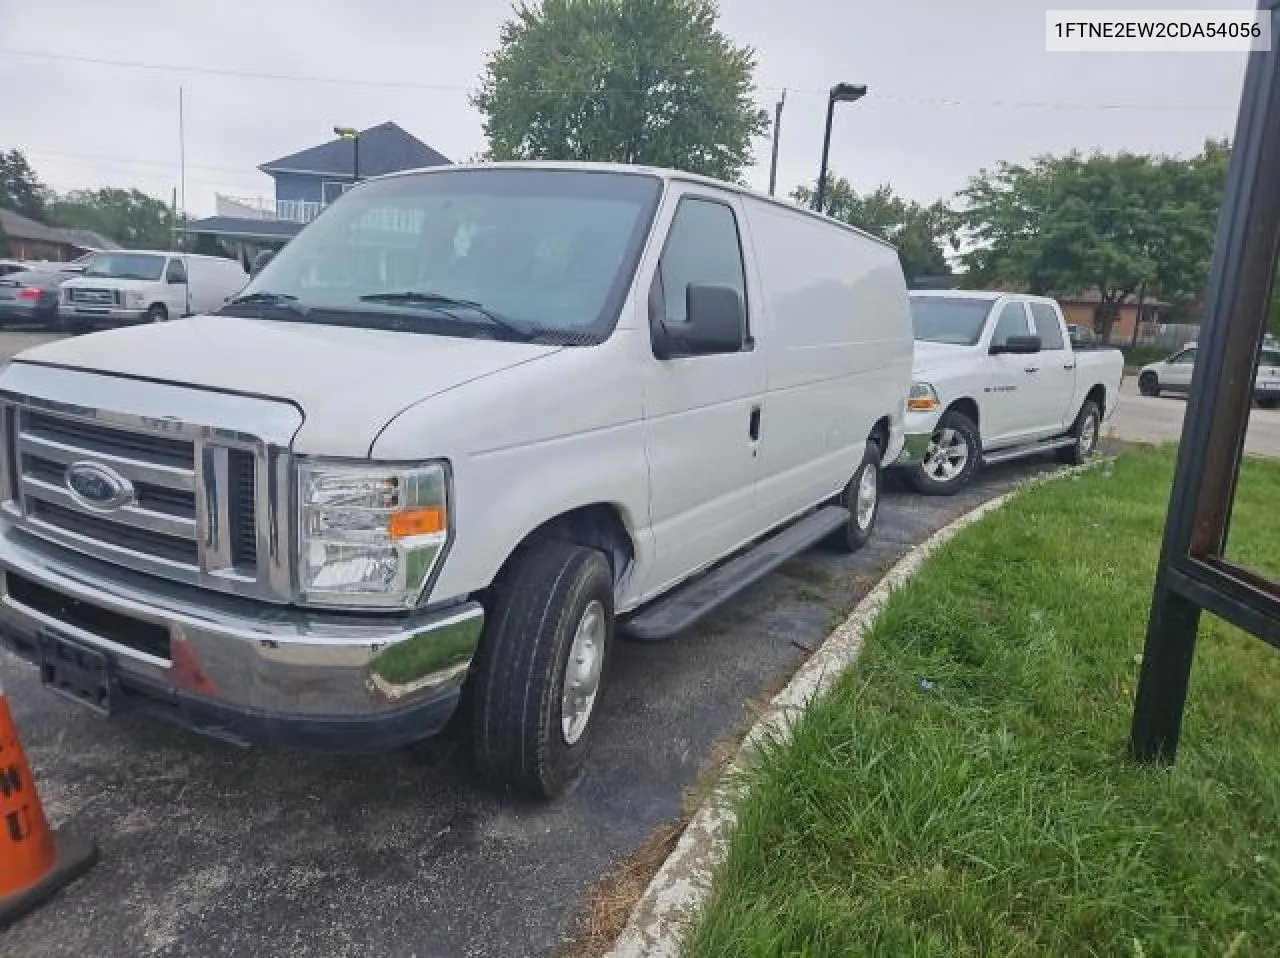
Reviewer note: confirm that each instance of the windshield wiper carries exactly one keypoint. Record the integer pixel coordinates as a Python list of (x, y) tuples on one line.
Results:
[(445, 306), (278, 300)]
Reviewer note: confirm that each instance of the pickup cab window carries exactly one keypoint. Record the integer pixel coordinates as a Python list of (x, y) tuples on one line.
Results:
[(1047, 326), (1012, 322)]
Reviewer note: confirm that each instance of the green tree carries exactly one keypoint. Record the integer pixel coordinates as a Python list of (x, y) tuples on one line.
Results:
[(20, 188), (919, 232), (630, 81), (130, 217), (1116, 224)]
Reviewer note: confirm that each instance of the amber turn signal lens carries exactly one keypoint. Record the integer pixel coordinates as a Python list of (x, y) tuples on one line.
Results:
[(416, 522), (922, 404)]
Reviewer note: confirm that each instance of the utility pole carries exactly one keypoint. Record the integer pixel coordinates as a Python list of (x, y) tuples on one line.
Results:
[(777, 135)]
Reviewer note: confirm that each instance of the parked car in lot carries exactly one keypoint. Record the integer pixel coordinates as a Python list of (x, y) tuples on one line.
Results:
[(996, 378), (460, 431), (1173, 375), (30, 296), (130, 286)]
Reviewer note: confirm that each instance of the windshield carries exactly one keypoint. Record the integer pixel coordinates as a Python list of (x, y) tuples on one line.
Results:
[(550, 250), (125, 266), (938, 319)]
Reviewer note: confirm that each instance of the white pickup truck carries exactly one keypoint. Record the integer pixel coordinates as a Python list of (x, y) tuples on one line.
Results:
[(466, 423), (996, 378)]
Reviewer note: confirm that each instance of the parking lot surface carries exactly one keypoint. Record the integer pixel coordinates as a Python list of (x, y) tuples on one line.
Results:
[(208, 849), (1159, 419)]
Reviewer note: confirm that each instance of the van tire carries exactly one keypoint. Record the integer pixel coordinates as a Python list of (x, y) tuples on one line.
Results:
[(1086, 432), (855, 533), (539, 605), (952, 427), (158, 313)]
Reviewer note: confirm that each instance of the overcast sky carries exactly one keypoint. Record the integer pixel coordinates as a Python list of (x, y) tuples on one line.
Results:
[(954, 86)]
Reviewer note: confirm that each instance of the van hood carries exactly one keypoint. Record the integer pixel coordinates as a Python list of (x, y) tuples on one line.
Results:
[(348, 383), (929, 357)]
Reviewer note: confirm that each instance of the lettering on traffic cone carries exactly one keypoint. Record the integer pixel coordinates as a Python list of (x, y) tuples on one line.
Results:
[(35, 861)]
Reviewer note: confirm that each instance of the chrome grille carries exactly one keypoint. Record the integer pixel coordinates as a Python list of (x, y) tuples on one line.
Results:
[(158, 524), (93, 297), (210, 496)]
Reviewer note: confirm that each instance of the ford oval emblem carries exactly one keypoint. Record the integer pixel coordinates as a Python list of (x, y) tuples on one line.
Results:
[(97, 486)]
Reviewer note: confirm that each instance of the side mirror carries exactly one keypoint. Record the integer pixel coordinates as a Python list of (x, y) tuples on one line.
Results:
[(717, 322), (1019, 345), (261, 260)]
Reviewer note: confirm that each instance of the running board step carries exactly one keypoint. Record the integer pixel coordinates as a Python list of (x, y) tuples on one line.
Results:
[(1018, 452), (678, 611)]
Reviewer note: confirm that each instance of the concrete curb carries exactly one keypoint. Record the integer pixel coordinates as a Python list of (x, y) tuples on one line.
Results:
[(680, 888)]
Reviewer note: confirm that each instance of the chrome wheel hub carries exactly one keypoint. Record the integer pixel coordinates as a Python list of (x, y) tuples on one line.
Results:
[(868, 494), (1088, 435), (947, 455), (582, 673)]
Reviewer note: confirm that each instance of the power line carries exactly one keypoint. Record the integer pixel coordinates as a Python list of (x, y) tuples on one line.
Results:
[(948, 102)]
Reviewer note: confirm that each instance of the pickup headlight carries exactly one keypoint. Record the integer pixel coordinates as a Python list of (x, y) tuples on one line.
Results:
[(135, 299), (923, 398), (369, 535)]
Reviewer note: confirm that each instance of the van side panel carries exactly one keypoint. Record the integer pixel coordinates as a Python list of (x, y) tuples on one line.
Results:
[(837, 339)]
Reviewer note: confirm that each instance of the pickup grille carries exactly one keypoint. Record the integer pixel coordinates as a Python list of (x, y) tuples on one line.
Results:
[(189, 511)]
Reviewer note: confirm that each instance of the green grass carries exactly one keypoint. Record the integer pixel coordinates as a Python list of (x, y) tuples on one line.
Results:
[(965, 789)]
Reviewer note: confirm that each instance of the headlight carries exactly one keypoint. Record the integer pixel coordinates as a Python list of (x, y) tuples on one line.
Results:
[(135, 299), (369, 535), (923, 398)]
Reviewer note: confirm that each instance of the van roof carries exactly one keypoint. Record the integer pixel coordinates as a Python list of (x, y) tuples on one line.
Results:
[(169, 252), (661, 173)]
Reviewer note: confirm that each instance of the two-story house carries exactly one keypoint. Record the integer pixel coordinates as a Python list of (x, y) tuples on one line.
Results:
[(306, 182)]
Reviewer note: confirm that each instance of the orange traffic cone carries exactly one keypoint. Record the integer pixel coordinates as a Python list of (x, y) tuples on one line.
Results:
[(34, 860)]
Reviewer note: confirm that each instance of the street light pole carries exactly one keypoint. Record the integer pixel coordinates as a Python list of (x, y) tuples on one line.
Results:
[(352, 134), (840, 93)]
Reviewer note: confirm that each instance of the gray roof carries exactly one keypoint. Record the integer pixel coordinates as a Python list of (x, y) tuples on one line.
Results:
[(23, 227), (385, 148), (242, 227)]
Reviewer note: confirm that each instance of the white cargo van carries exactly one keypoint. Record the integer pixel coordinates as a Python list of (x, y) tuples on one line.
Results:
[(467, 426), (129, 286)]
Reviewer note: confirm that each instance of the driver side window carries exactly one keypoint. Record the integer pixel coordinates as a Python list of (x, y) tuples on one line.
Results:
[(176, 272), (702, 248), (1012, 322), (1185, 358)]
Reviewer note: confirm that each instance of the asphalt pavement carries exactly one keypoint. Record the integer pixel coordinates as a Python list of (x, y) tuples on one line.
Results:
[(1158, 419), (212, 850)]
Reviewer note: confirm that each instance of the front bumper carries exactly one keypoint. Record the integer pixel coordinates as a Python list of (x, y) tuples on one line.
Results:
[(100, 314), (238, 669)]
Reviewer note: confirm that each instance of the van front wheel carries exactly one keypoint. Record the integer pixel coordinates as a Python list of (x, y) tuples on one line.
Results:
[(541, 665), (158, 313)]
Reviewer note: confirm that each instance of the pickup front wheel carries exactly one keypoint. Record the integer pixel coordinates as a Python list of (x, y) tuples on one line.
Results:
[(538, 674), (952, 457)]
